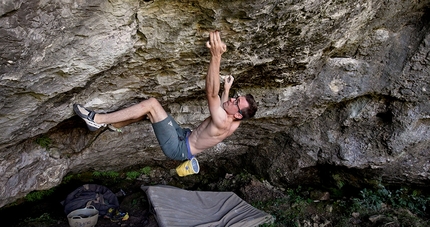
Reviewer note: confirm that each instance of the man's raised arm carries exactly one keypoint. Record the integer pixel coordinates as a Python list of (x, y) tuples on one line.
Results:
[(217, 48)]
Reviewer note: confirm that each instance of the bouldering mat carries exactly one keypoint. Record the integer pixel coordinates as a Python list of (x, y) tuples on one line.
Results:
[(178, 207)]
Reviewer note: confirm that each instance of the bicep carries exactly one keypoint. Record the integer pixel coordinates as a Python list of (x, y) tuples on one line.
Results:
[(218, 113)]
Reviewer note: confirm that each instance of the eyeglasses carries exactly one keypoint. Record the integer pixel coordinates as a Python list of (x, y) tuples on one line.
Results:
[(236, 102)]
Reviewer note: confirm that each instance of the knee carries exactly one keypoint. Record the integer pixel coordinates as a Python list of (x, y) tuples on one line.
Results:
[(153, 102), (150, 103)]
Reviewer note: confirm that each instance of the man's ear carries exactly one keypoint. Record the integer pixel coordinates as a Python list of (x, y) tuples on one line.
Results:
[(238, 116)]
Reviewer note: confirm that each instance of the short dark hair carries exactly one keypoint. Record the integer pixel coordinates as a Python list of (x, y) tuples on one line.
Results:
[(249, 111)]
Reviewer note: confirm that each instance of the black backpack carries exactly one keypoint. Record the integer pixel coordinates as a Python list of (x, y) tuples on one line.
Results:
[(91, 194)]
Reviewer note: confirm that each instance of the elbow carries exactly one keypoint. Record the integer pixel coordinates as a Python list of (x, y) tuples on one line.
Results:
[(211, 95)]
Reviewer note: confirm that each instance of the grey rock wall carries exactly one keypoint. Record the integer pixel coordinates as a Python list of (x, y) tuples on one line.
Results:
[(339, 83)]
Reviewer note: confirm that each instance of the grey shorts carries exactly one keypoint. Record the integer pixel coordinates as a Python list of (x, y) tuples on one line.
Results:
[(173, 139)]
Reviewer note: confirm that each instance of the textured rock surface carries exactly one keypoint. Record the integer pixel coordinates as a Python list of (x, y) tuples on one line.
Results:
[(339, 83)]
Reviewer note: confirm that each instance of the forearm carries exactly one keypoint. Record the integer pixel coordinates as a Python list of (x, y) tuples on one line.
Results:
[(212, 79), (224, 96)]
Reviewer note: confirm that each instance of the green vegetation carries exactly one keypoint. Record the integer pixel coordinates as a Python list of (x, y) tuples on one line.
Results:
[(67, 179), (107, 174), (376, 200), (38, 195), (44, 141), (132, 175), (139, 200), (338, 179), (301, 206), (42, 220), (145, 170), (373, 207), (289, 210)]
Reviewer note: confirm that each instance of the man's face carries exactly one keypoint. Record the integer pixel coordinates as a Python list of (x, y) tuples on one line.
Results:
[(235, 105)]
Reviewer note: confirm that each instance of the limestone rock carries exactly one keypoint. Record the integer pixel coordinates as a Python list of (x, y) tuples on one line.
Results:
[(339, 83)]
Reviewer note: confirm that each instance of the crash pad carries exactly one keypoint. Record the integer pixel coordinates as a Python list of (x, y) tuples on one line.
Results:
[(173, 207)]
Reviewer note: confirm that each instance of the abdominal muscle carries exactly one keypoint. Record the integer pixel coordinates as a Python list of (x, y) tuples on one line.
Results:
[(207, 135)]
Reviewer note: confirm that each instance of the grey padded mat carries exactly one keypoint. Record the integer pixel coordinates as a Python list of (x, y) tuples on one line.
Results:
[(178, 207)]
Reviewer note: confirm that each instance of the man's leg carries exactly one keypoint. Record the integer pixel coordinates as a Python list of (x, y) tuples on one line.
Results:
[(150, 107), (125, 123)]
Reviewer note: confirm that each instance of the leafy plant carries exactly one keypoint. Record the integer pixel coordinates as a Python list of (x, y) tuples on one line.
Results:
[(39, 221), (280, 209), (401, 198), (371, 200), (145, 170), (415, 202), (44, 141), (111, 174), (338, 180), (132, 175), (97, 174), (67, 179), (38, 195), (296, 197), (107, 174)]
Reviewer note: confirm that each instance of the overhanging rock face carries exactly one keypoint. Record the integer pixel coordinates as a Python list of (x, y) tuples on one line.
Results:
[(342, 83)]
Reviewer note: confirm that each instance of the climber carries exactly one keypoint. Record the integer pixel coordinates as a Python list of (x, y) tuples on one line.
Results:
[(181, 143)]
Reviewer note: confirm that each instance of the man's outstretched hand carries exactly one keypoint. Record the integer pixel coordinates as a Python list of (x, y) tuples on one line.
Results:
[(215, 44), (228, 81)]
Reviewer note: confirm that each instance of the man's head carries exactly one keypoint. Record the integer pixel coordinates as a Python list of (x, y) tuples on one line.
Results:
[(242, 107), (251, 109)]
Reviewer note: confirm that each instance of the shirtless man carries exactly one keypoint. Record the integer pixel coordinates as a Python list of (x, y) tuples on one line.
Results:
[(178, 143)]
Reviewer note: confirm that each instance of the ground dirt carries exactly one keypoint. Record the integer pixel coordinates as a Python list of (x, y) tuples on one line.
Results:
[(49, 212), (290, 207)]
